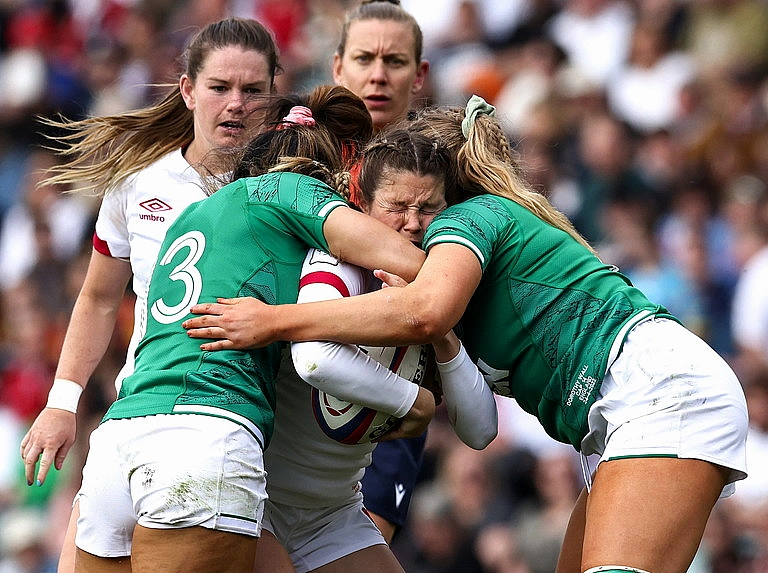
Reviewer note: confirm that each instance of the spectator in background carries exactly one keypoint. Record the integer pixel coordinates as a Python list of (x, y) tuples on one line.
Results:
[(748, 509), (635, 249), (605, 174), (23, 535), (41, 206), (595, 36), (530, 83), (645, 90), (719, 34), (750, 300)]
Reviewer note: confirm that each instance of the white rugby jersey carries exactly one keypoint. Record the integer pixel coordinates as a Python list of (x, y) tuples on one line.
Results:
[(132, 222), (306, 468)]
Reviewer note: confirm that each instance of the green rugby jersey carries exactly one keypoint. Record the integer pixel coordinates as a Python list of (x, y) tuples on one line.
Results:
[(248, 239), (547, 312)]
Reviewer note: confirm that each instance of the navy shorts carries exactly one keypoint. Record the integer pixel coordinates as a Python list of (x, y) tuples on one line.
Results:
[(389, 481)]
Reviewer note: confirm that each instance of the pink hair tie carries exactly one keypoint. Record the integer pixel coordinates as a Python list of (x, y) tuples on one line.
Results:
[(299, 115)]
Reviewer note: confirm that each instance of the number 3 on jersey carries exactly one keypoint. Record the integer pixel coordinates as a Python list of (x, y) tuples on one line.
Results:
[(187, 273)]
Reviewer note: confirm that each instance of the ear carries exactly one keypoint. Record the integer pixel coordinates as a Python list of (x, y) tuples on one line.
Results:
[(421, 75), (187, 91), (336, 69)]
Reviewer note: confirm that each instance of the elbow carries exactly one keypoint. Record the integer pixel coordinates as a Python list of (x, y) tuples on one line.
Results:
[(480, 442), (309, 364), (429, 321)]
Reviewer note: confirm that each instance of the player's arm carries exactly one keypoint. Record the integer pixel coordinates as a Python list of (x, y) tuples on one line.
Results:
[(359, 239), (347, 373), (419, 313), (468, 399), (343, 370), (88, 334)]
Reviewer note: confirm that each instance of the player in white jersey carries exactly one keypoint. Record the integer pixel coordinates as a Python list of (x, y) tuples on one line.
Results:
[(132, 222), (163, 156), (379, 58), (315, 505)]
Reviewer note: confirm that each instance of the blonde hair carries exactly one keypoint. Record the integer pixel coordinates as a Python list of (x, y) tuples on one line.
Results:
[(485, 163), (101, 152)]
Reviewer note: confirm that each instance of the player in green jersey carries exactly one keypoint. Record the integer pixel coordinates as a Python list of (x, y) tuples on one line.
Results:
[(175, 475), (599, 365)]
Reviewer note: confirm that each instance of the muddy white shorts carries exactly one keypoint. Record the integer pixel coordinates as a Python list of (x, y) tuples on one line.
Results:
[(316, 537), (168, 471), (669, 394)]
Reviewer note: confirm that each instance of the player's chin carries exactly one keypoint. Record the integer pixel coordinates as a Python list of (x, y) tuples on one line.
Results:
[(232, 137), (382, 118)]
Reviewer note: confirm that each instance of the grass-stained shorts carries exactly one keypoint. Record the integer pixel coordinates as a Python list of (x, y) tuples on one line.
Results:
[(168, 471)]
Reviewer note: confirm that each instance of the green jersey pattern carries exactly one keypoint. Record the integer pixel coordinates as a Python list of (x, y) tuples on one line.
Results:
[(248, 239), (546, 314)]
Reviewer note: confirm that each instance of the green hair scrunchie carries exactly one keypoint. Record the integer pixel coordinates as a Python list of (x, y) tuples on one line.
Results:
[(475, 106)]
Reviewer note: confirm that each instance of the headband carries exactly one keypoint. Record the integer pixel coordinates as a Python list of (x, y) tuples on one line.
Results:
[(475, 106), (298, 115)]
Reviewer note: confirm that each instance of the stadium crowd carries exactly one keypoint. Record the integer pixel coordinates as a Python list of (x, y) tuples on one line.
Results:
[(645, 121)]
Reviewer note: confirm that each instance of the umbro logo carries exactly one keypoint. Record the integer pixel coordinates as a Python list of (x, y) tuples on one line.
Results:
[(154, 205)]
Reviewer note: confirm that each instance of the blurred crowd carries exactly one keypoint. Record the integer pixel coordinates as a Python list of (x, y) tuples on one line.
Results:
[(645, 121)]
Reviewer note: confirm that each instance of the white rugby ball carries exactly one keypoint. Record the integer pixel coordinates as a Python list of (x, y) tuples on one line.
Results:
[(350, 423)]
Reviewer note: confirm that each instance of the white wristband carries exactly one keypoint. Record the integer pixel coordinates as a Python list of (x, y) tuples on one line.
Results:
[(64, 395)]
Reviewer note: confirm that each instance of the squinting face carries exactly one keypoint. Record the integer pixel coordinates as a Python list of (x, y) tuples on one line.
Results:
[(379, 66), (222, 98), (408, 202)]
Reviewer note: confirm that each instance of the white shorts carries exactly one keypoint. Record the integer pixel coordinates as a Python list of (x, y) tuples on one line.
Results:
[(669, 394), (316, 537), (168, 471)]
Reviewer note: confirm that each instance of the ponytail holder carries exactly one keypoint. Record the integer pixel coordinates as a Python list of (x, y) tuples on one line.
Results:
[(298, 115), (475, 106)]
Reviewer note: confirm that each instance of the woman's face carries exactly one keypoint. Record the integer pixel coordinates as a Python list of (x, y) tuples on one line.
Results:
[(379, 65), (407, 202), (223, 98)]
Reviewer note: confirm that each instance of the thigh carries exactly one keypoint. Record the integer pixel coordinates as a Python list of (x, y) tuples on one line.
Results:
[(378, 558), (67, 556), (271, 556), (192, 550), (85, 562), (649, 513), (569, 560)]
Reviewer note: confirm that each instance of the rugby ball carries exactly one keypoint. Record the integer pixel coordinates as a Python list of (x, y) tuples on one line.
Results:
[(350, 423)]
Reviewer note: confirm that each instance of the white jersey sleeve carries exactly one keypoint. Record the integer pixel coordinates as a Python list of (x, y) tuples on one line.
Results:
[(469, 400), (343, 370)]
